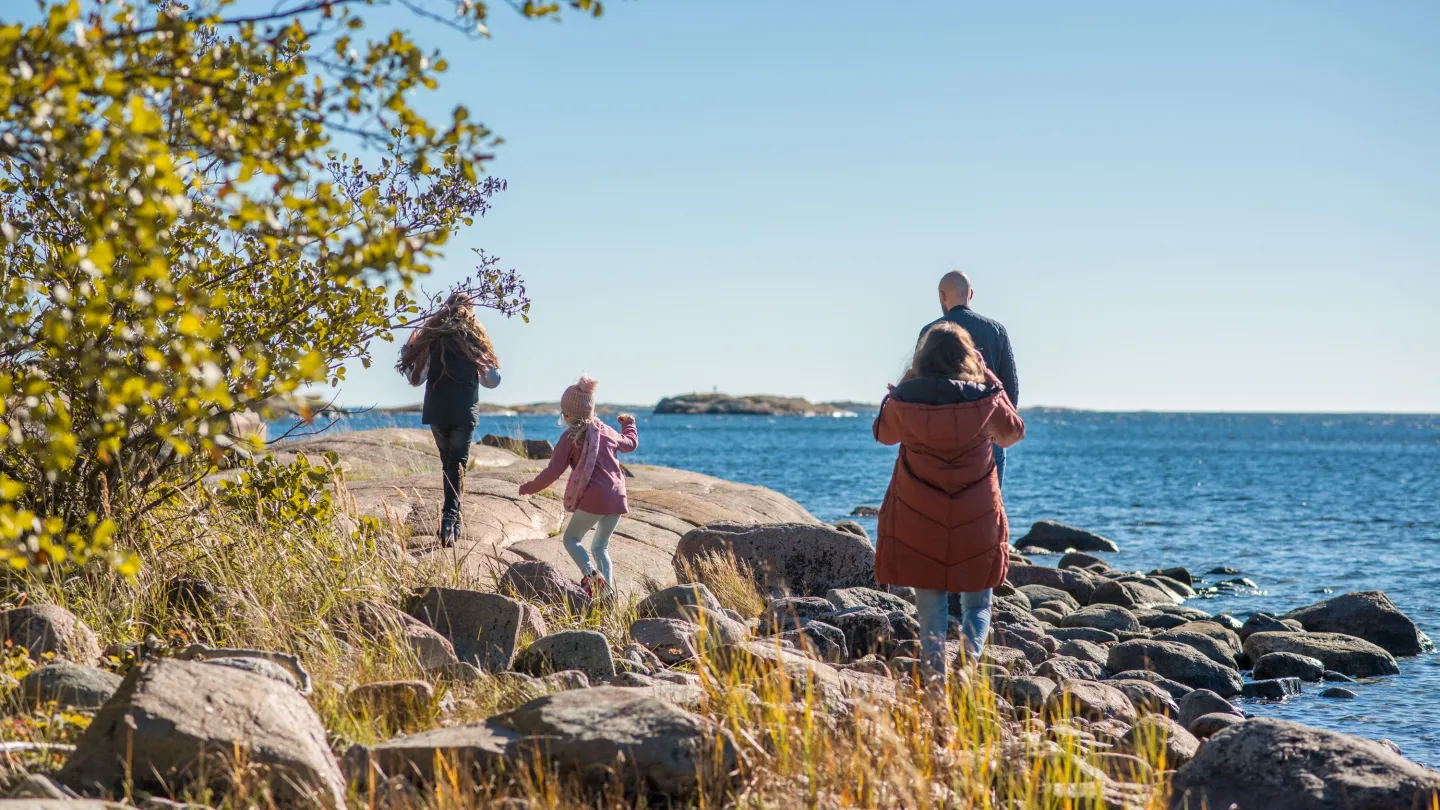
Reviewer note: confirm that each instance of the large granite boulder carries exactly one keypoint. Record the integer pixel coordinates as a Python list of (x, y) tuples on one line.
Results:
[(1365, 614), (1091, 700), (1110, 618), (1266, 763), (1058, 537), (483, 628), (1288, 665), (1175, 661), (378, 620), (51, 629), (586, 651), (1148, 698), (1154, 734), (1201, 702), (666, 603), (66, 684), (1079, 585), (1349, 655), (540, 583), (1262, 623), (173, 722), (1131, 594), (596, 735), (845, 598), (673, 641), (1217, 643), (799, 558)]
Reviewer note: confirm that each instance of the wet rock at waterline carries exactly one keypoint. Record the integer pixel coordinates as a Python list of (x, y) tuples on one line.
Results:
[(1272, 689), (1288, 665), (1058, 537), (1348, 654), (1264, 764), (1369, 615)]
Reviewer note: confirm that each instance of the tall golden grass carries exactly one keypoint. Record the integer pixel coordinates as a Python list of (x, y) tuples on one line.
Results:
[(896, 746)]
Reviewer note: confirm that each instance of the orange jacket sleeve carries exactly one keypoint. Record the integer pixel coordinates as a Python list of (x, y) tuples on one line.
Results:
[(1005, 427), (887, 430)]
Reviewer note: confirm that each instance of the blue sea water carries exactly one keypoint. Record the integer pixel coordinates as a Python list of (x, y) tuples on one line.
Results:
[(1303, 505)]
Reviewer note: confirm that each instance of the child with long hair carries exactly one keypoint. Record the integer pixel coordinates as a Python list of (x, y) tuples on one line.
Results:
[(452, 355), (595, 494), (943, 527)]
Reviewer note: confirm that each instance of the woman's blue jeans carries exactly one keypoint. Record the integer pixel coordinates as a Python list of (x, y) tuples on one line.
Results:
[(933, 612)]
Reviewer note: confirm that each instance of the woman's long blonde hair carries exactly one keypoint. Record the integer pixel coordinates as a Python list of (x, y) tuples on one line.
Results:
[(454, 321), (947, 350)]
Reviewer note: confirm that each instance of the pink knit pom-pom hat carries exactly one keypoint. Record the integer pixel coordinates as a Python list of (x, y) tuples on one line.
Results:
[(577, 404)]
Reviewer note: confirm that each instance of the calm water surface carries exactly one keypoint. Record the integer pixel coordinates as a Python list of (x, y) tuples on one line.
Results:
[(1303, 505)]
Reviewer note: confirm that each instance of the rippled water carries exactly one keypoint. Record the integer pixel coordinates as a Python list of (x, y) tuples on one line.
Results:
[(1302, 505)]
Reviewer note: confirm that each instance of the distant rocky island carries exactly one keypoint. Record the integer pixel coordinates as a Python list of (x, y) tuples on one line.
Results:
[(755, 405)]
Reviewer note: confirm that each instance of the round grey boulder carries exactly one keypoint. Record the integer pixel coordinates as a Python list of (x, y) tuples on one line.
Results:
[(1288, 665)]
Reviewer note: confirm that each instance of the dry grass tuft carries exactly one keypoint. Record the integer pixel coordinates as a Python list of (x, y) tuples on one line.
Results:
[(730, 580)]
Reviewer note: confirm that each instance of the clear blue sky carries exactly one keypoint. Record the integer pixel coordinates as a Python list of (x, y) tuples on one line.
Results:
[(1221, 205)]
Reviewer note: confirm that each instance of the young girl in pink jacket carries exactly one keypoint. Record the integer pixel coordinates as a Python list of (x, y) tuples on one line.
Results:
[(595, 494)]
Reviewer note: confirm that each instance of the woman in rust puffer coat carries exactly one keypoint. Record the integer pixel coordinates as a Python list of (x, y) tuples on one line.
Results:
[(942, 525)]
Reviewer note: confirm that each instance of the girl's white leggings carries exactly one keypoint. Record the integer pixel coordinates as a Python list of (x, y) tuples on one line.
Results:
[(604, 525)]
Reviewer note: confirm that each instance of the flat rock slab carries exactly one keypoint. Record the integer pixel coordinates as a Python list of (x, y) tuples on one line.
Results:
[(1266, 763), (172, 720), (394, 476), (1353, 656)]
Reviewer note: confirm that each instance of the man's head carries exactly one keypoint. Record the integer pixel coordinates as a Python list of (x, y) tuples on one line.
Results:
[(954, 290)]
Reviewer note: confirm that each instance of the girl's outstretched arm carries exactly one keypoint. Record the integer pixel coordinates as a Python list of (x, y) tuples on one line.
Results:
[(629, 437), (559, 461)]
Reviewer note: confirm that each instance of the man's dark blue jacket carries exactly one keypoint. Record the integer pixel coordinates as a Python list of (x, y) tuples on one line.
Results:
[(992, 341)]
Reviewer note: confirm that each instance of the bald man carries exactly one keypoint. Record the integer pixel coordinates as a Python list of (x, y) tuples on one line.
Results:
[(990, 338)]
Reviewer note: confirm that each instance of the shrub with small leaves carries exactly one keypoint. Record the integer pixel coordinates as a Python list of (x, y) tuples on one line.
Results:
[(181, 239)]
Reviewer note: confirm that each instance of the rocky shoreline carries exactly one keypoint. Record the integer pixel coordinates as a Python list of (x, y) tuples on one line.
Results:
[(1101, 679)]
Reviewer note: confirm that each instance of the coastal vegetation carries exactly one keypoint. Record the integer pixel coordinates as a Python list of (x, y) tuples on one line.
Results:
[(187, 237)]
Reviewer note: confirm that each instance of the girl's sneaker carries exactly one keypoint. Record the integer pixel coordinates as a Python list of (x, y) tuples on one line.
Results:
[(594, 585)]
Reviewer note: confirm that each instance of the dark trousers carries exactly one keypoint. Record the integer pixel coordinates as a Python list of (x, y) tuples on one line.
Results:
[(453, 442)]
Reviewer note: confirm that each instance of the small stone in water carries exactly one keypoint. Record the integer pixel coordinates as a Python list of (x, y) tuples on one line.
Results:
[(1338, 692), (1323, 590), (1336, 677), (1223, 570)]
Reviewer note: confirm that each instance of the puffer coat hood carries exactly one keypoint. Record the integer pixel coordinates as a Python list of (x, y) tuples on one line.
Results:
[(942, 524)]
